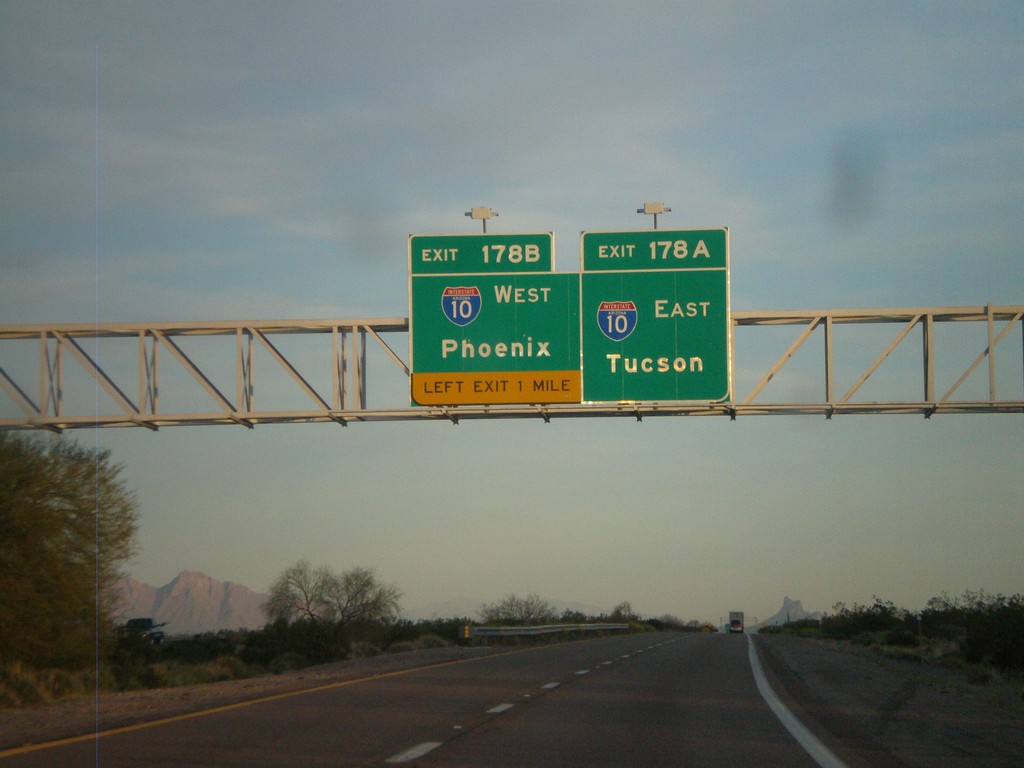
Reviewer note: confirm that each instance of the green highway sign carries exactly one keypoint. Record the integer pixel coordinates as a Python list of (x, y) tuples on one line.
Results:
[(655, 249), (490, 338), (654, 310), (474, 254), (647, 319)]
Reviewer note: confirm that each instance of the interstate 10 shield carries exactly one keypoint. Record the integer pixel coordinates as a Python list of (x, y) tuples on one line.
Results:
[(461, 305), (616, 319)]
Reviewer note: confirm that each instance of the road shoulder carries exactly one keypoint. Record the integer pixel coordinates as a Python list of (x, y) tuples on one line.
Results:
[(873, 711), (92, 714)]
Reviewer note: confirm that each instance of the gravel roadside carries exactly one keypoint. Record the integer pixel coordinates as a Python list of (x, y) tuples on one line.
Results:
[(90, 714), (874, 711)]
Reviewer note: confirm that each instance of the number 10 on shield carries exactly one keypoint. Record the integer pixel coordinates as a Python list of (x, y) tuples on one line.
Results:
[(461, 304)]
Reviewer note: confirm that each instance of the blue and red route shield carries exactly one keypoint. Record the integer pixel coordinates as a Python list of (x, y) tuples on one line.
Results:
[(461, 304), (616, 319)]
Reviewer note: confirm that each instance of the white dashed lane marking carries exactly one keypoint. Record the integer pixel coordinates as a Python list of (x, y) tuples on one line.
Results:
[(414, 752), (428, 746)]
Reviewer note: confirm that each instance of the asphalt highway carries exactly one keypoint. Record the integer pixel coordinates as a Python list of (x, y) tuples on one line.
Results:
[(645, 700)]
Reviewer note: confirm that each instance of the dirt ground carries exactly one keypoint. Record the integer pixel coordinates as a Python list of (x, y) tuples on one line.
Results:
[(894, 714), (870, 711)]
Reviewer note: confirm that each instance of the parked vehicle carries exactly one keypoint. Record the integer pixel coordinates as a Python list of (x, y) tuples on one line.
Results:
[(147, 629)]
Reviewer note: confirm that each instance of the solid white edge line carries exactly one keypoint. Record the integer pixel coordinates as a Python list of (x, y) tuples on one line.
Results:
[(818, 751), (413, 752)]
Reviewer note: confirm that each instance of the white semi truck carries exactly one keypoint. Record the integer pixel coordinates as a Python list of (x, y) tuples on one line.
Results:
[(736, 622)]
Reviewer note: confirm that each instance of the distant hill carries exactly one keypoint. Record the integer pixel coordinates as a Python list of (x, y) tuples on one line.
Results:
[(792, 610), (193, 603)]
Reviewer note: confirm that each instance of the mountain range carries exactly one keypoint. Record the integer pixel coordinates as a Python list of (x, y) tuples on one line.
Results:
[(792, 610), (193, 603)]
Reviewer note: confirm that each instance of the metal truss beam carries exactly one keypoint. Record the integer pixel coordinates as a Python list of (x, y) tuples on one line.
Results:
[(340, 353)]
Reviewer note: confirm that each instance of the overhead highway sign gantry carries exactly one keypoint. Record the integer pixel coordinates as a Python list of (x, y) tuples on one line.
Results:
[(930, 361)]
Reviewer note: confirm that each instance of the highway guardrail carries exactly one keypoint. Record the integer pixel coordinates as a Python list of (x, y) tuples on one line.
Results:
[(542, 629)]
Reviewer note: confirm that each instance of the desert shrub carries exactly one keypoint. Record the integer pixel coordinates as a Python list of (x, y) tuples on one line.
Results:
[(983, 628), (847, 622), (60, 683), (402, 647), (801, 628), (102, 679), (987, 627), (130, 662), (945, 632), (431, 640), (8, 699), (363, 650), (865, 639), (952, 660), (315, 641), (287, 662), (903, 638), (229, 668), (397, 631), (980, 676), (996, 633), (160, 676), (19, 685), (452, 630), (202, 648), (901, 653)]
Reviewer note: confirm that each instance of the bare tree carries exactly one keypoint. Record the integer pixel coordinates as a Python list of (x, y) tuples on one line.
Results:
[(320, 595), (518, 610), (357, 596), (624, 612), (300, 593)]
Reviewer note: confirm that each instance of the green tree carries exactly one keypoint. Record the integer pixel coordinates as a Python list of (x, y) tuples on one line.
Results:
[(67, 525)]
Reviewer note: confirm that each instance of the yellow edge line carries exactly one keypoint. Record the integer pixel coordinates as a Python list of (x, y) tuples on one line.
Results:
[(238, 705)]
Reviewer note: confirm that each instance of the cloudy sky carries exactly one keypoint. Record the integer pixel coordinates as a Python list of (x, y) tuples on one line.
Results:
[(246, 161)]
